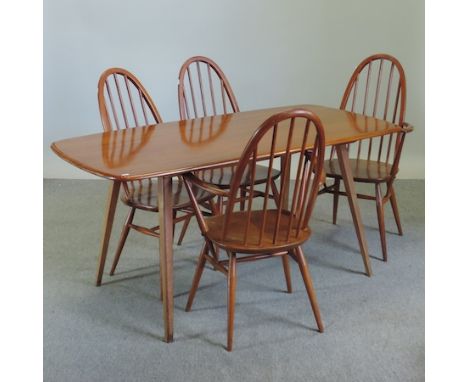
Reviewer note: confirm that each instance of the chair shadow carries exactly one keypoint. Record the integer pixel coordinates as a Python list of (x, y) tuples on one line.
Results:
[(346, 247), (134, 277), (143, 333), (326, 264), (205, 336), (135, 270), (155, 271)]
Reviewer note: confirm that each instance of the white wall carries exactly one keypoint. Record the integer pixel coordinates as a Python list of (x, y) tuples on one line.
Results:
[(273, 52)]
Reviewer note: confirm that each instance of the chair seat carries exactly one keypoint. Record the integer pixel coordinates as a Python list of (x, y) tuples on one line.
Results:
[(144, 195), (222, 176), (364, 170), (234, 240)]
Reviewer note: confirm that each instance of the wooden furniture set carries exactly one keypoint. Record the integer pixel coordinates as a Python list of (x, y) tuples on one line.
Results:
[(217, 164)]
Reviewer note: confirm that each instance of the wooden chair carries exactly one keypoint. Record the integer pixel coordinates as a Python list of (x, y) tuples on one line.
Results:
[(204, 90), (123, 104), (263, 230), (377, 88)]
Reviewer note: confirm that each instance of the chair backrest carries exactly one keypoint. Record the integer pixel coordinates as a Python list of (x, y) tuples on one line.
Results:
[(377, 88), (301, 133), (124, 102), (204, 90)]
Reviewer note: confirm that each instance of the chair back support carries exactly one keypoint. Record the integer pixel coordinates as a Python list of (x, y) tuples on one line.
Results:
[(204, 90), (377, 88), (281, 217), (124, 102)]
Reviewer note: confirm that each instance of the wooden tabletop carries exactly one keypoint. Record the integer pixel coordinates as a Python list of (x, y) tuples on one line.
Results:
[(177, 147)]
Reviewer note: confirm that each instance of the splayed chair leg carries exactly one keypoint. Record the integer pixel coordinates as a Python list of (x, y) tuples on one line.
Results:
[(231, 299), (309, 287)]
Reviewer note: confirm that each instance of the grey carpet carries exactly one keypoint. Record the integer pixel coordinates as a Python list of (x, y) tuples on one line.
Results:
[(374, 327)]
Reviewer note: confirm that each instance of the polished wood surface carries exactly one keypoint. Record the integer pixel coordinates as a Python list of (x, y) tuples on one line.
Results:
[(144, 196), (204, 90), (125, 104), (157, 150), (222, 176), (272, 226), (130, 154), (363, 170), (376, 88)]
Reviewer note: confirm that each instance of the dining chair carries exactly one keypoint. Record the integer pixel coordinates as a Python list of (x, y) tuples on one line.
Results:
[(376, 88), (264, 229), (203, 91), (124, 104)]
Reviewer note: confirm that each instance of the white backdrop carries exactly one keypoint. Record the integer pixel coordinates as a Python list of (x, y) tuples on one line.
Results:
[(273, 52)]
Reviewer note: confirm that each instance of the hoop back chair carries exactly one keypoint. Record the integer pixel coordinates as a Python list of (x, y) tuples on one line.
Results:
[(264, 229), (203, 91), (123, 104), (376, 88)]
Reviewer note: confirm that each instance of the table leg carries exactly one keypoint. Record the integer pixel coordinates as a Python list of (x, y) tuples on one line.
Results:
[(112, 198), (286, 174), (348, 181), (165, 253)]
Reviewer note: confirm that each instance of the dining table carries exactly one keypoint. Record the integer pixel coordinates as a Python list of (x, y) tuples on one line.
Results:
[(169, 149)]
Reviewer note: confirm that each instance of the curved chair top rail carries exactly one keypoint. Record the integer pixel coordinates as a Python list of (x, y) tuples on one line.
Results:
[(124, 102), (388, 85), (204, 89), (377, 88)]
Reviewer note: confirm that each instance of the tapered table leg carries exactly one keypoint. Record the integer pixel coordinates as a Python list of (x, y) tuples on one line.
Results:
[(348, 181), (113, 195), (165, 253)]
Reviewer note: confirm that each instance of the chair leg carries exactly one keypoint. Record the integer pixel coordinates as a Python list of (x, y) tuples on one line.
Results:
[(243, 193), (184, 229), (174, 216), (215, 211), (336, 198), (275, 193), (123, 238), (396, 214), (381, 219), (197, 277), (214, 207), (309, 287), (220, 211), (220, 205), (231, 299), (287, 272)]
